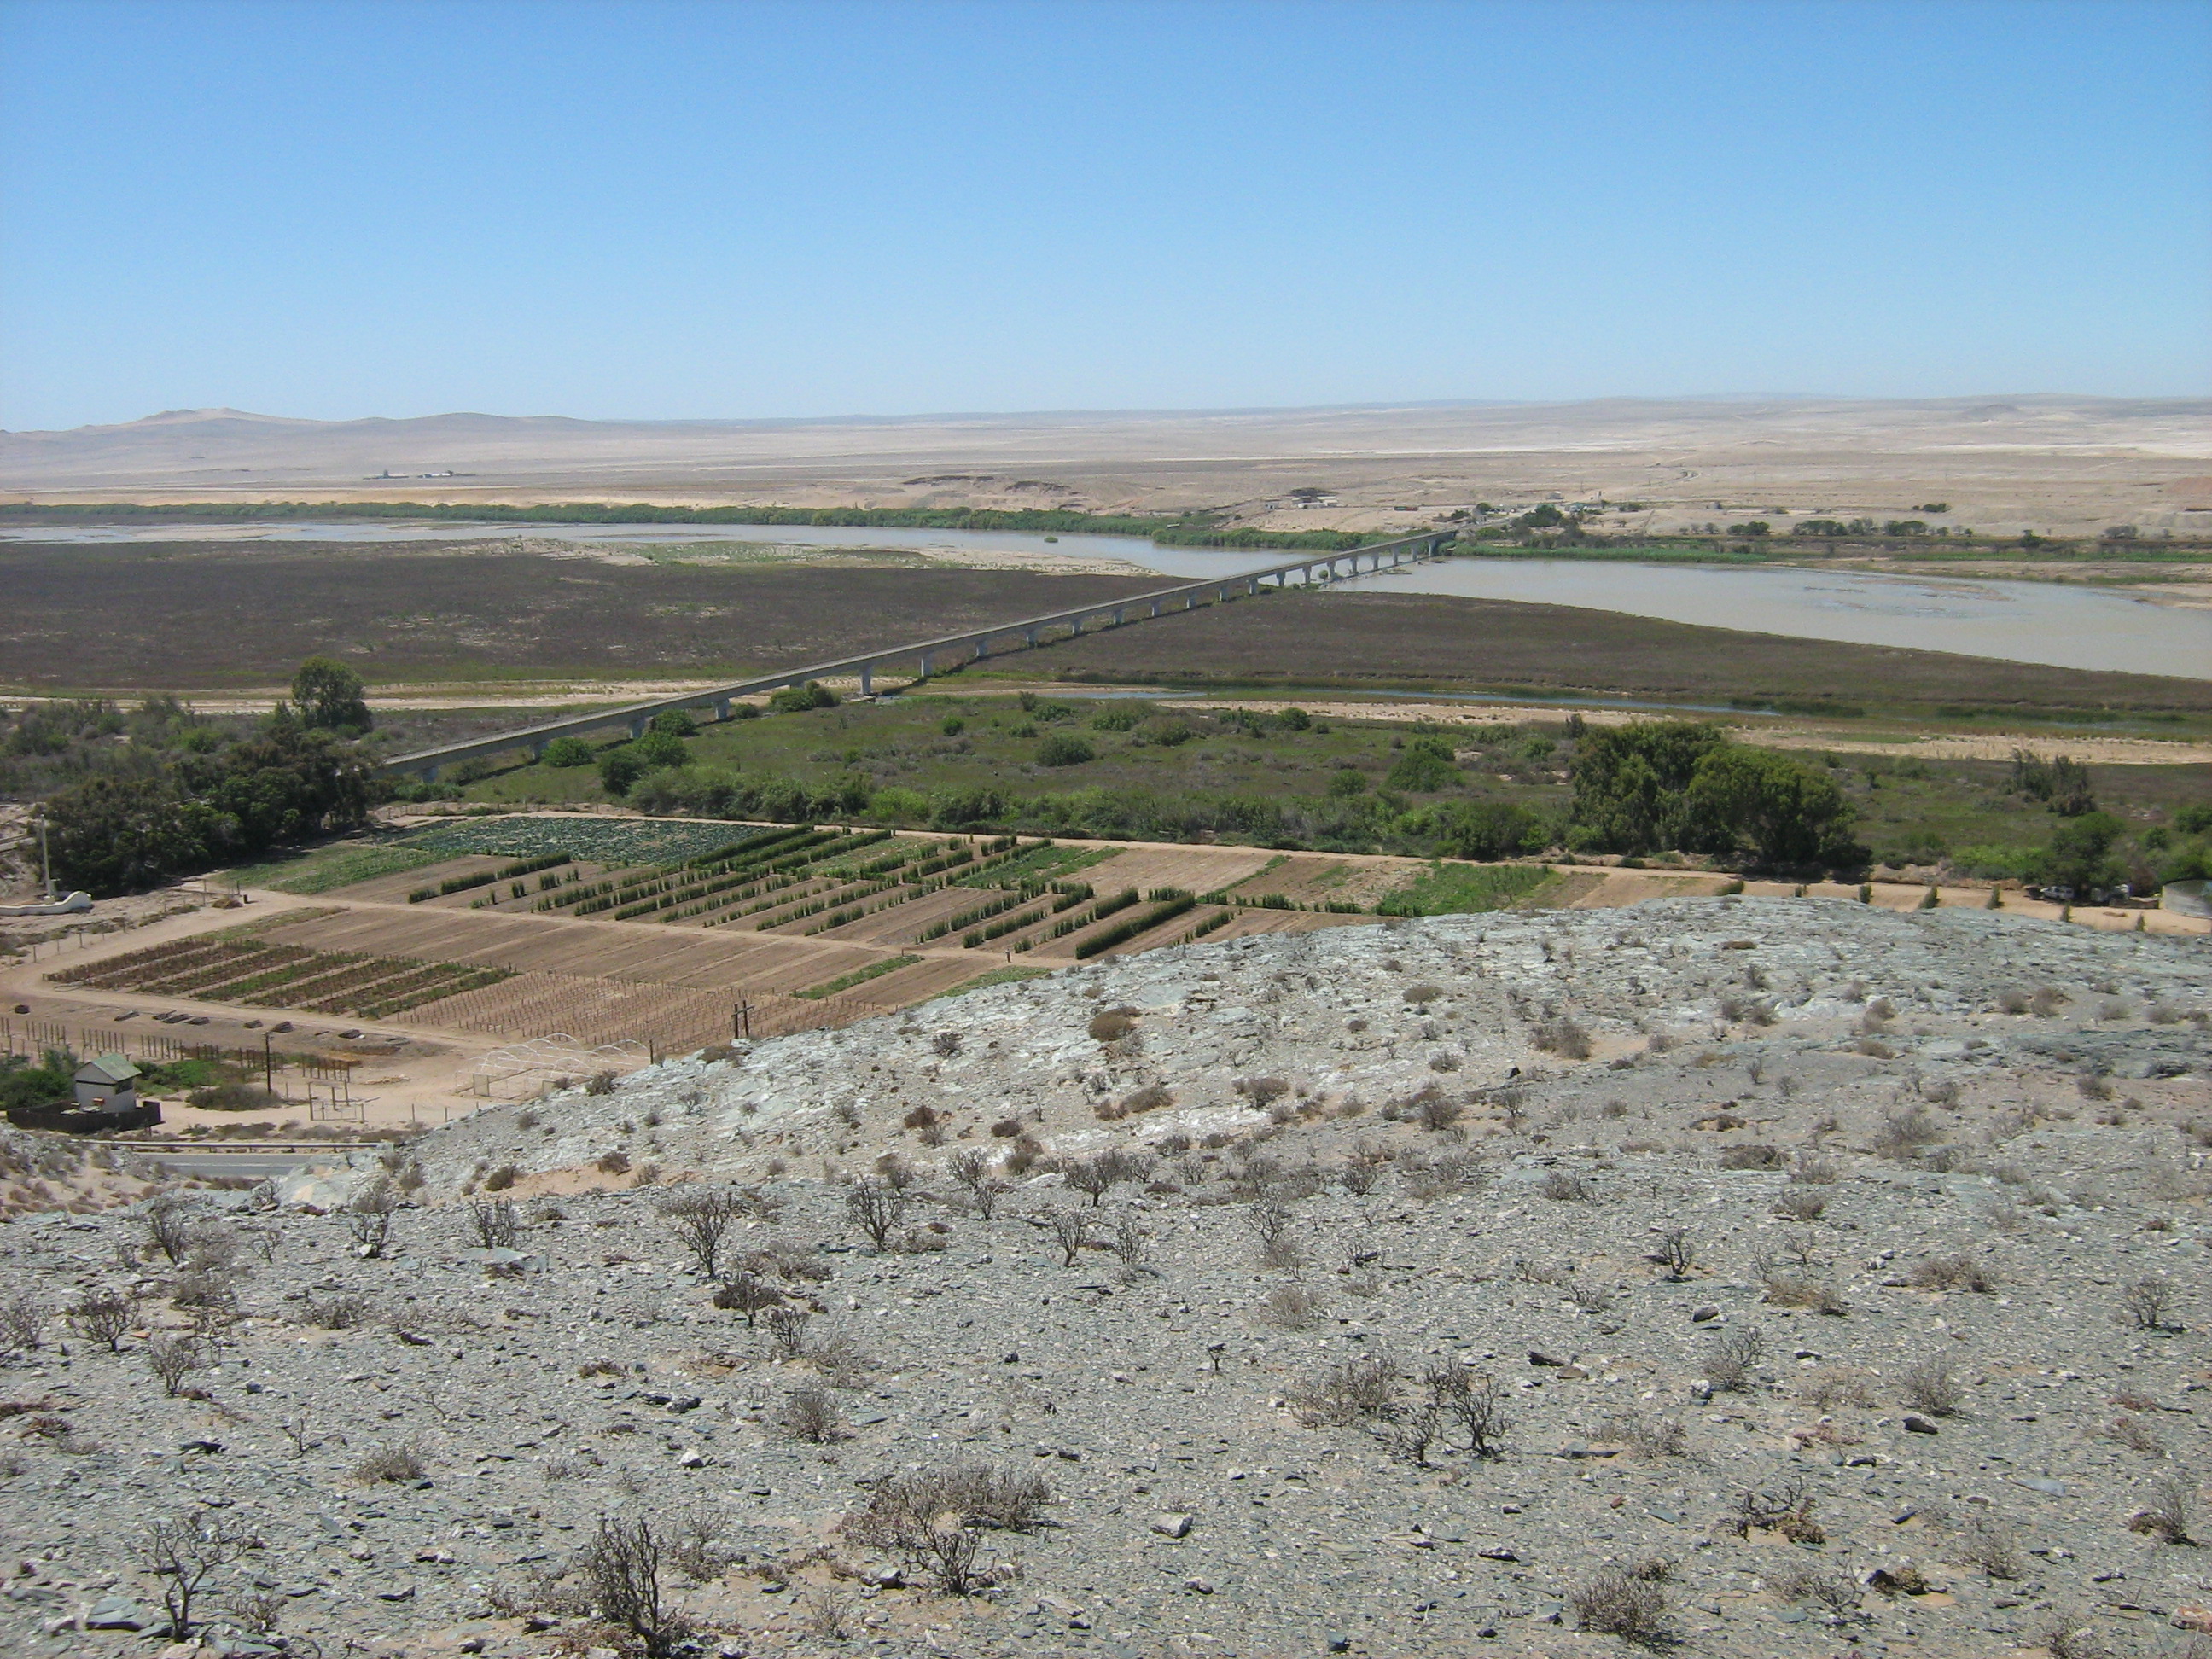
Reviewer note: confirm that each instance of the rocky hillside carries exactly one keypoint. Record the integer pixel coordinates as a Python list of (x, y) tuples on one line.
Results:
[(1768, 1277)]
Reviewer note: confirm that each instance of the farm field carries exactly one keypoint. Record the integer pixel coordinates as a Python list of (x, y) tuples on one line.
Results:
[(199, 616)]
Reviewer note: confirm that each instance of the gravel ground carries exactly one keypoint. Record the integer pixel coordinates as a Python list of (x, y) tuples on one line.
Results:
[(1897, 1400)]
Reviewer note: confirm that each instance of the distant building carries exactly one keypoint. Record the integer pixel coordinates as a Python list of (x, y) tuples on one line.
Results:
[(109, 1084)]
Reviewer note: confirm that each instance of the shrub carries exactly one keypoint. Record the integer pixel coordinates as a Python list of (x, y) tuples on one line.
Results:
[(1955, 1273), (1735, 1355), (1617, 1604), (813, 1416), (2167, 1514), (335, 1313), (877, 1209), (105, 1318), (2150, 1302), (621, 1574), (1294, 1307), (798, 699), (1931, 1386), (1357, 1391), (1064, 749), (567, 752), (1563, 1037), (389, 1463), (1787, 1510)]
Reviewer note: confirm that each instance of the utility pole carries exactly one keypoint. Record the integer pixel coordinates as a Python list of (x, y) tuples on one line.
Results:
[(45, 864)]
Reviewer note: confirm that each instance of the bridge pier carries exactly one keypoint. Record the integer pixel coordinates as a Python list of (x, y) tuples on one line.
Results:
[(721, 708), (867, 679), (925, 664)]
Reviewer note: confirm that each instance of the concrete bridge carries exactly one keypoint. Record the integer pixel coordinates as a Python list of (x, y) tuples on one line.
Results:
[(928, 656)]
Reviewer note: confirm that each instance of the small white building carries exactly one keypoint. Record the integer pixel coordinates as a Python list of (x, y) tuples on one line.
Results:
[(109, 1084)]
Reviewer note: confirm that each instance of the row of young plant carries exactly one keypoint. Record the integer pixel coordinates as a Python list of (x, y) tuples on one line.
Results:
[(858, 976), (744, 855), (839, 895), (474, 980), (666, 890), (116, 971), (1218, 919), (681, 901), (242, 961), (1165, 911), (1067, 896), (451, 884), (1282, 901)]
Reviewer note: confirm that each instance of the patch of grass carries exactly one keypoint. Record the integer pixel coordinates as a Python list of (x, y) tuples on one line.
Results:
[(858, 976), (1457, 889), (334, 867)]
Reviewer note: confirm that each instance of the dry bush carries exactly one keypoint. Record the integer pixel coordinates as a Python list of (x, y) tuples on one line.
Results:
[(2047, 1002), (335, 1313), (1650, 1437), (1568, 1188), (1801, 1206), (1955, 1273), (167, 1225), (928, 1516), (812, 1415), (1113, 1025), (1420, 996), (1839, 1592), (1563, 1037), (1931, 1386), (184, 1555), (174, 1359), (1986, 1542), (2150, 1302), (877, 1209), (22, 1322), (2168, 1514), (1753, 1155), (702, 1219), (1800, 1289), (1071, 1231), (104, 1318), (1903, 1134), (1810, 1170), (1787, 1510), (1294, 1307), (508, 1174), (747, 1293), (1151, 1098), (2135, 1435), (389, 1463), (1735, 1357), (1436, 1110), (1357, 1391), (1617, 1604), (1676, 1251), (1829, 1386), (842, 1361), (621, 1574), (495, 1223), (786, 1332)]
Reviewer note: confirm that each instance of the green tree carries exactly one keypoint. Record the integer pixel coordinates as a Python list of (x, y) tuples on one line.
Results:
[(621, 768), (110, 835), (798, 699), (1630, 781), (328, 694), (659, 748), (2080, 854), (676, 723), (567, 752), (1425, 766), (1486, 830), (1742, 799)]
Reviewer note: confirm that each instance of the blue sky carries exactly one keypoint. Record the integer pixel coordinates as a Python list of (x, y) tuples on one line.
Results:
[(724, 209)]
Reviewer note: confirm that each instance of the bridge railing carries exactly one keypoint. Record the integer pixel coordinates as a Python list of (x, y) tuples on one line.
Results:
[(924, 653)]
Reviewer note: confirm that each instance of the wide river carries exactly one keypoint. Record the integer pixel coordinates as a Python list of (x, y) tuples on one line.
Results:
[(2070, 626)]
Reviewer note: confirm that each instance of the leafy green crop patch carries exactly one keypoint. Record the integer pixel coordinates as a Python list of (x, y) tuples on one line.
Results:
[(334, 867), (1457, 889), (590, 840)]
